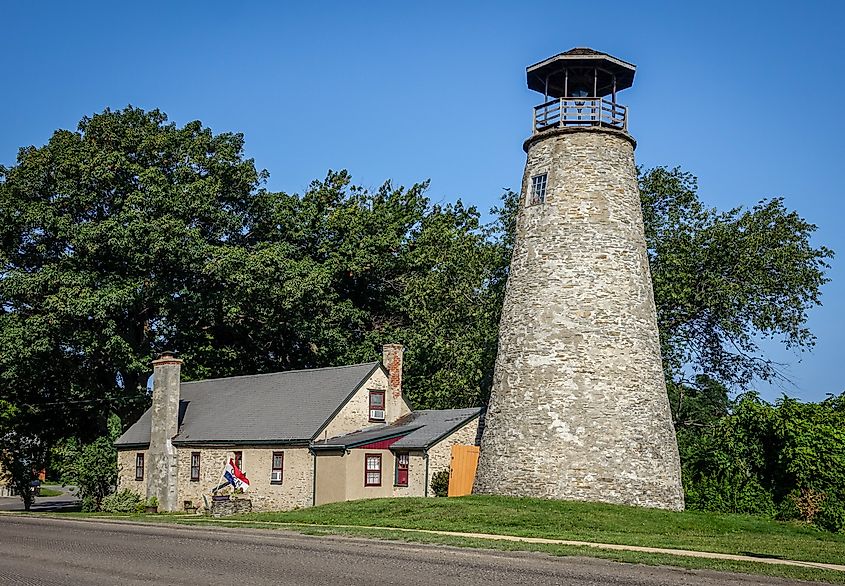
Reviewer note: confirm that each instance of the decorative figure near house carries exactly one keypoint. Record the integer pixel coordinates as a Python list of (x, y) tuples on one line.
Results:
[(579, 408)]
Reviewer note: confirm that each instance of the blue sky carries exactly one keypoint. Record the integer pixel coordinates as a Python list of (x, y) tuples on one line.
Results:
[(743, 94)]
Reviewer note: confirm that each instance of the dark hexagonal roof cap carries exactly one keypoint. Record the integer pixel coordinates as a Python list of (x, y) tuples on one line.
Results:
[(580, 59)]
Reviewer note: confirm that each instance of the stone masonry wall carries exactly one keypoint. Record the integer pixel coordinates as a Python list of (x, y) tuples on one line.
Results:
[(235, 506), (416, 476), (578, 408), (126, 472), (5, 489), (355, 415), (440, 454), (295, 491)]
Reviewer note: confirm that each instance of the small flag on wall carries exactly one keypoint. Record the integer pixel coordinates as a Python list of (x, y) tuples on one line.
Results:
[(235, 477)]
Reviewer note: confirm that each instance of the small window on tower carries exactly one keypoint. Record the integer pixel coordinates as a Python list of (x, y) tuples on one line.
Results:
[(538, 189)]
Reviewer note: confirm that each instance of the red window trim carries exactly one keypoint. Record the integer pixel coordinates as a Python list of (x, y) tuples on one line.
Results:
[(195, 468), (406, 469), (370, 405), (139, 459), (281, 468), (366, 458), (239, 458)]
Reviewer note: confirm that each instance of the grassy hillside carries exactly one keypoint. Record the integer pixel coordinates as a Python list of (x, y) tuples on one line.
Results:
[(736, 534)]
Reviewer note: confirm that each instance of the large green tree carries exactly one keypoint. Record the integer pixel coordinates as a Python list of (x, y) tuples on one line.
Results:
[(724, 281), (103, 231)]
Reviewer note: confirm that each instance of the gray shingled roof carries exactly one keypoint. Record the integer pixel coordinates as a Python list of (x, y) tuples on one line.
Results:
[(420, 430), (366, 436), (549, 76), (582, 51), (278, 407)]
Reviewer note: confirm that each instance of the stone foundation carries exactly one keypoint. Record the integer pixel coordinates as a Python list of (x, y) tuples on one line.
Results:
[(230, 507)]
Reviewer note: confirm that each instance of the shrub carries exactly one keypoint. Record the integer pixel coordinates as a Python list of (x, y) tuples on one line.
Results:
[(805, 504), (124, 501), (724, 495), (89, 505), (831, 516), (782, 460), (440, 483)]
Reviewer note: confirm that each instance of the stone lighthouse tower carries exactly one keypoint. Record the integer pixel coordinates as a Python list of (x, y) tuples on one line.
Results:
[(579, 407)]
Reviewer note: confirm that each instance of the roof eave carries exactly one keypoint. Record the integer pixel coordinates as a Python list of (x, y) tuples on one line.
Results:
[(564, 58), (131, 446), (217, 443), (442, 436), (377, 438)]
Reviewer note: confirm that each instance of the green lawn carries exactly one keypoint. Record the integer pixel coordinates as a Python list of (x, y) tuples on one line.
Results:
[(736, 534), (632, 557), (46, 491)]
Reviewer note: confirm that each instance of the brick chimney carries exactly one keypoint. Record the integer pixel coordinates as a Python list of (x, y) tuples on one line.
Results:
[(162, 480), (392, 361)]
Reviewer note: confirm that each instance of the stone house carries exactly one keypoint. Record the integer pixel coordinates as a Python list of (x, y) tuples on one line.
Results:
[(302, 437)]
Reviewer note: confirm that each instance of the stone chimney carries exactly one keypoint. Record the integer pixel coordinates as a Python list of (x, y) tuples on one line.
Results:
[(162, 480), (392, 361)]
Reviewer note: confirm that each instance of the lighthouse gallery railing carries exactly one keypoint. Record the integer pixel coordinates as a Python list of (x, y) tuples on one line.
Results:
[(562, 112)]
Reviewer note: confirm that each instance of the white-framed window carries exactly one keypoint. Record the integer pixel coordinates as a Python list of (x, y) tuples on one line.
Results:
[(372, 470), (376, 405), (277, 468), (538, 189)]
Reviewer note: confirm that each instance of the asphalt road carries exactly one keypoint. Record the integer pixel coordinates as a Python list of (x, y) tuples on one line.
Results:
[(57, 551), (67, 501)]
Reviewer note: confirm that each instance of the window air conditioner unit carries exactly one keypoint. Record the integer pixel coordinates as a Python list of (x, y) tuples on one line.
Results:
[(376, 413)]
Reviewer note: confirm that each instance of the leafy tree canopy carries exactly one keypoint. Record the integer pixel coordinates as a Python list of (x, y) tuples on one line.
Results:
[(103, 232), (91, 467), (725, 280)]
